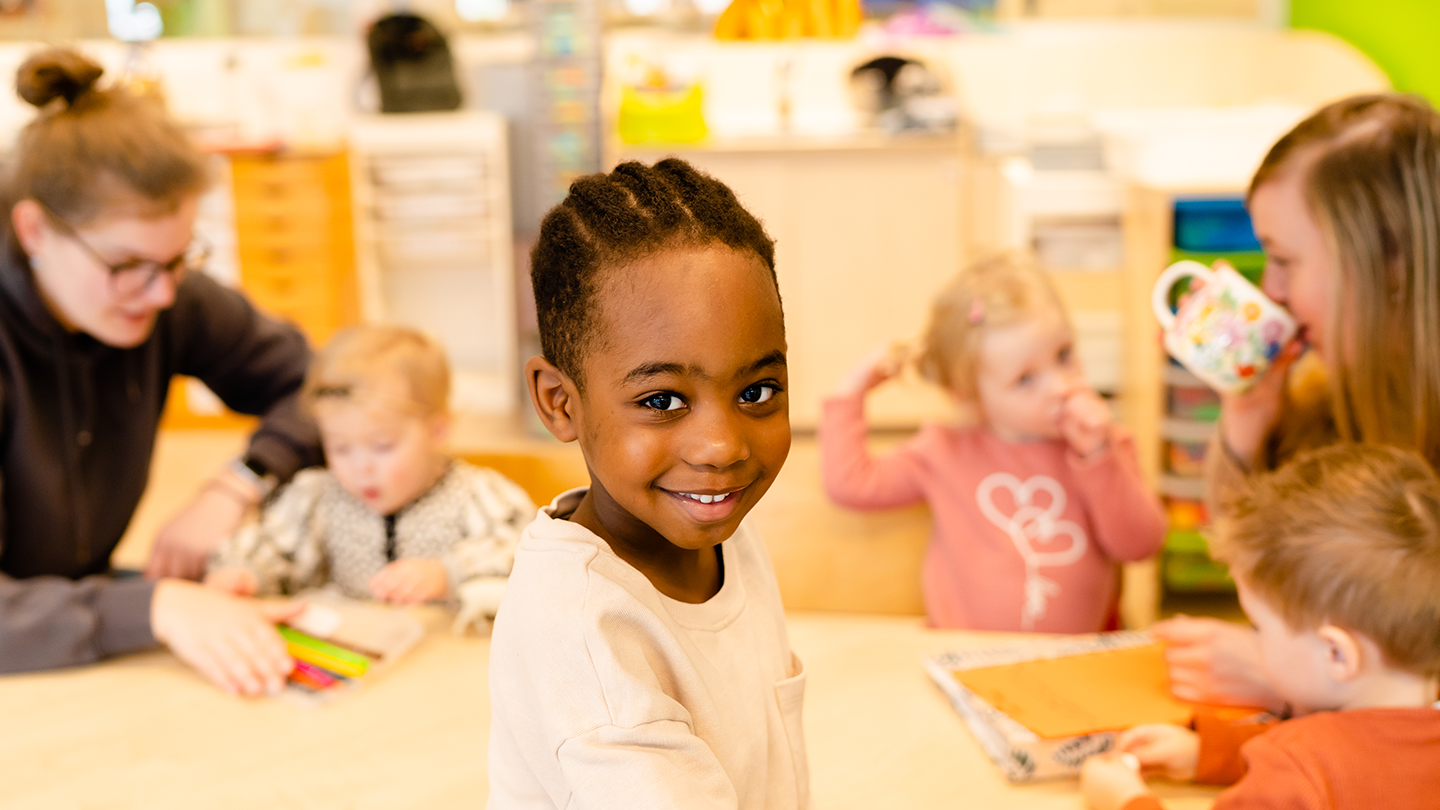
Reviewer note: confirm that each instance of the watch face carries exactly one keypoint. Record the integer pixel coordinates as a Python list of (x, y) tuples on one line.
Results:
[(256, 466)]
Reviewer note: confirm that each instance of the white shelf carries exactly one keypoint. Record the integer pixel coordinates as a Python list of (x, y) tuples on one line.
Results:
[(434, 246)]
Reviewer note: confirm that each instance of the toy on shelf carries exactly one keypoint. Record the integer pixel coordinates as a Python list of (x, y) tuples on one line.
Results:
[(789, 19), (660, 103)]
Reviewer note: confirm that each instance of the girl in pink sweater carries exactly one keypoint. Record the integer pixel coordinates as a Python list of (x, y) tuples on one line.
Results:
[(1037, 502)]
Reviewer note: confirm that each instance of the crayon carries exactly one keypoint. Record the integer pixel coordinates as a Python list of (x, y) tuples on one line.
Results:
[(313, 673), (312, 650)]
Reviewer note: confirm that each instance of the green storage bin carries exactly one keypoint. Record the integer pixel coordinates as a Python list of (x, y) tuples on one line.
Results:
[(1186, 566), (1250, 264)]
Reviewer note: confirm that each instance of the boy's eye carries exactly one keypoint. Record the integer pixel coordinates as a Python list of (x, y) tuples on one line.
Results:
[(1025, 379), (756, 394), (1065, 354), (663, 402)]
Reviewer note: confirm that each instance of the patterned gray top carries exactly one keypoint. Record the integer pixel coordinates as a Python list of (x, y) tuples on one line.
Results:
[(315, 533)]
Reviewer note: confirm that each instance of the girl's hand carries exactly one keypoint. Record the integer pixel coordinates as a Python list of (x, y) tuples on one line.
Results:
[(1109, 782), (1172, 751), (233, 580), (1085, 422), (411, 581), (1248, 417), (878, 365), (1215, 662), (231, 641)]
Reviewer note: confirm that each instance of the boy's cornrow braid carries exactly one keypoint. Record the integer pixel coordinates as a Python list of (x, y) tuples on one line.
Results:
[(608, 210), (654, 195), (717, 210)]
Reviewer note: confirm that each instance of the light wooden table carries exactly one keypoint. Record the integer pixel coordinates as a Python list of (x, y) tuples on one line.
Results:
[(146, 732)]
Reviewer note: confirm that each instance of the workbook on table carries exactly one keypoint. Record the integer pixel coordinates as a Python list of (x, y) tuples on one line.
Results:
[(1040, 707), (339, 643)]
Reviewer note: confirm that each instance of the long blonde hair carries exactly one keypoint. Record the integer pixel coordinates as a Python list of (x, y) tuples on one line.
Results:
[(1372, 182), (998, 291)]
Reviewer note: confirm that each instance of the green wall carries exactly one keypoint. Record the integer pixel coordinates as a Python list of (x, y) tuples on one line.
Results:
[(1402, 36)]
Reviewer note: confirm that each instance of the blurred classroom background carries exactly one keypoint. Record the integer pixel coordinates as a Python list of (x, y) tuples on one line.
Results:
[(373, 173)]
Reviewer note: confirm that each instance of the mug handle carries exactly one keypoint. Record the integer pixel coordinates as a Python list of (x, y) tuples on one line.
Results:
[(1160, 294)]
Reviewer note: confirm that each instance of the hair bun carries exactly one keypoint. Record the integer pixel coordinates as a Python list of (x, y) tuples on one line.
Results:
[(56, 73)]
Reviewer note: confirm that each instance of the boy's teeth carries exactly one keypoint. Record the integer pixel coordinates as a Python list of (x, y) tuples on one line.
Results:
[(707, 498)]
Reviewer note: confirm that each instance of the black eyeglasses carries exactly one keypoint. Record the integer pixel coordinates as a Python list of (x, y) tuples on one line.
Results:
[(134, 276)]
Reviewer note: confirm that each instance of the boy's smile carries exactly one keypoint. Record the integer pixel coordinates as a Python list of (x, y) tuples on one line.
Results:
[(684, 420)]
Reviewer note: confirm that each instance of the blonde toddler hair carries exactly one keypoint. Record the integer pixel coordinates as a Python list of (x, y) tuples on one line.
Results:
[(1372, 181), (358, 361), (1347, 535), (999, 291)]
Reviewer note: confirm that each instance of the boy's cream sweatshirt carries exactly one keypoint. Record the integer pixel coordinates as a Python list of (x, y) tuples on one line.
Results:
[(606, 693)]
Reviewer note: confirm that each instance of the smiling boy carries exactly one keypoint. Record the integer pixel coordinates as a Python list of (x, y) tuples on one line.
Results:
[(640, 657)]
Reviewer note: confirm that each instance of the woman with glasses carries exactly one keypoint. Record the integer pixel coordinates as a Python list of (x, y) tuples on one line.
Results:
[(100, 305)]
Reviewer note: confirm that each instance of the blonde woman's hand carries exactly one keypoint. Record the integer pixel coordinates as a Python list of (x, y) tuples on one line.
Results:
[(233, 580), (1248, 417), (411, 581), (230, 640), (1109, 782), (1173, 751), (1085, 422), (881, 363), (1212, 661)]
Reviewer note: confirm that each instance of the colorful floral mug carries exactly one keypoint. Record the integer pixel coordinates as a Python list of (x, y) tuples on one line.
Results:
[(1226, 332)]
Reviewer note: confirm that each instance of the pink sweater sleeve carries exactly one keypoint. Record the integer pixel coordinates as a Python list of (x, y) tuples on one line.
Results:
[(1129, 521), (852, 477)]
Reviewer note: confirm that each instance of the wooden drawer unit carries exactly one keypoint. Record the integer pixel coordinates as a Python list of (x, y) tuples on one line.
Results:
[(293, 223)]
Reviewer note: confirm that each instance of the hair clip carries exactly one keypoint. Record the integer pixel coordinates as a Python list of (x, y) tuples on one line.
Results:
[(977, 311), (338, 391)]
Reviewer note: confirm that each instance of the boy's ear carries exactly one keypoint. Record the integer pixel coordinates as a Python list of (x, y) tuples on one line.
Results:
[(1346, 651), (555, 397)]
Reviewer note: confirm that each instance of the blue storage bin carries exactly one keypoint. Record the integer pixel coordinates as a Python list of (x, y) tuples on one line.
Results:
[(1214, 225)]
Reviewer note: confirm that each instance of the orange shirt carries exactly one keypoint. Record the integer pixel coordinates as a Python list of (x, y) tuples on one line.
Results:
[(1358, 759)]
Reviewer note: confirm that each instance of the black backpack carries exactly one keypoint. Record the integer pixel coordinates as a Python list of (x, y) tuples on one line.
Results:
[(412, 63)]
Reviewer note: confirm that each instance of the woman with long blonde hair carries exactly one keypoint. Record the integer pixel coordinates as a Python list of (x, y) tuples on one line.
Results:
[(1347, 208)]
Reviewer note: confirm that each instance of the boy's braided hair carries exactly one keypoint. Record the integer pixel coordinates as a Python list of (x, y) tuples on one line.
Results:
[(610, 220)]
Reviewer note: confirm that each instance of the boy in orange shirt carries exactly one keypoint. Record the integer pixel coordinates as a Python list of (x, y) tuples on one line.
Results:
[(1336, 558)]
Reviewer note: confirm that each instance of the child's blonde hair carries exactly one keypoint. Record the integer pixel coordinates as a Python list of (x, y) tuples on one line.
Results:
[(1347, 535), (358, 360), (999, 291), (1372, 181)]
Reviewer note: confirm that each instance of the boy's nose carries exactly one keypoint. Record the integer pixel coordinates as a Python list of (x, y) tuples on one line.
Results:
[(715, 441)]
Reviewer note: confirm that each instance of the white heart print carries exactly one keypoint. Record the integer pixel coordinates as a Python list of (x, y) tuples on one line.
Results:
[(1033, 528)]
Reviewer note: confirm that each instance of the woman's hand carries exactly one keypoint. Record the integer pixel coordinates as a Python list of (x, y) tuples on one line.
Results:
[(411, 581), (231, 641), (1109, 782), (878, 365), (1085, 422), (183, 544), (1248, 417), (1215, 662), (1173, 751), (233, 580)]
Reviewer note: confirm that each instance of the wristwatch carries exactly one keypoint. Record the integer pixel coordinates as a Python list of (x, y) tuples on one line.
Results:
[(254, 472)]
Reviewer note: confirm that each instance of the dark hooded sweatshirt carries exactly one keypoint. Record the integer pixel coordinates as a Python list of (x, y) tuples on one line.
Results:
[(78, 421)]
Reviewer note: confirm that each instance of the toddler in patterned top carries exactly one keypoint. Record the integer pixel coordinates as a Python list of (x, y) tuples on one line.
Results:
[(392, 517)]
